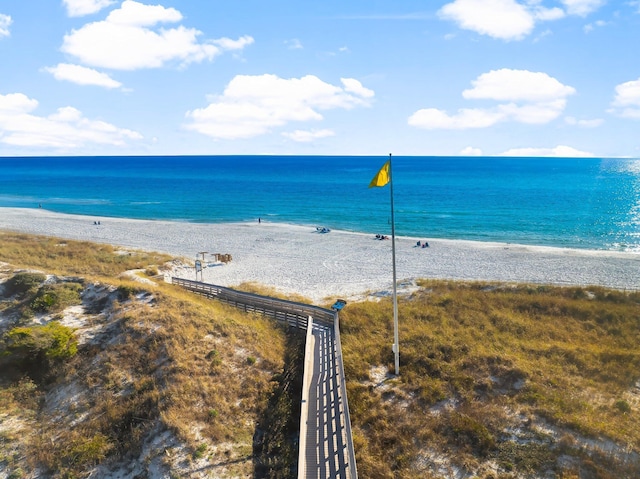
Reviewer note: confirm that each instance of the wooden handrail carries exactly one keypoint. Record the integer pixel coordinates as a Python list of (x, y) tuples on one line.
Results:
[(260, 304)]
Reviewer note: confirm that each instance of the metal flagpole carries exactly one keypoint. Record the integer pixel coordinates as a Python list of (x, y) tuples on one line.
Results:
[(396, 348)]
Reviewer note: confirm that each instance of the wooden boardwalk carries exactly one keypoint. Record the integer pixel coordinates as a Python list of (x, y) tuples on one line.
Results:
[(326, 445), (325, 454)]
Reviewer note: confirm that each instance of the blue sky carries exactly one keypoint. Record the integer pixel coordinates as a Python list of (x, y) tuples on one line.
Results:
[(456, 77)]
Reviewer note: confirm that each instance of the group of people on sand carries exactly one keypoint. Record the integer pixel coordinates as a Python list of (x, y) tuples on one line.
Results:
[(422, 244), (382, 237)]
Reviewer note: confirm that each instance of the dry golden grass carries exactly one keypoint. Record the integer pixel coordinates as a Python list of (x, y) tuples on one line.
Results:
[(485, 368), (60, 256), (505, 360), (166, 360)]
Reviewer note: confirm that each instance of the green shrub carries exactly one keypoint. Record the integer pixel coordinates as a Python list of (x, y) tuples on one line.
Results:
[(622, 406), (125, 292), (36, 344), (214, 357), (89, 451), (56, 297), (200, 450), (22, 283), (16, 474)]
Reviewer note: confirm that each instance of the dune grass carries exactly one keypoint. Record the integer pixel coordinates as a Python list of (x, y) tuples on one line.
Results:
[(497, 381), (61, 256), (158, 359), (486, 371)]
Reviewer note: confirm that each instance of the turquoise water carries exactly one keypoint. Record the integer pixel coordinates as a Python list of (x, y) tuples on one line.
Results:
[(578, 203)]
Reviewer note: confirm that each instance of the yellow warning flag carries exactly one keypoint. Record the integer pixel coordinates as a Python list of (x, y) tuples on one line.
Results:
[(382, 176)]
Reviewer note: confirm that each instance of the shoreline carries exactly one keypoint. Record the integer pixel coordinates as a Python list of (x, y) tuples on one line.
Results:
[(297, 259)]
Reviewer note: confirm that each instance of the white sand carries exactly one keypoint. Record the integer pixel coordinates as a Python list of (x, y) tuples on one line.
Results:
[(337, 264)]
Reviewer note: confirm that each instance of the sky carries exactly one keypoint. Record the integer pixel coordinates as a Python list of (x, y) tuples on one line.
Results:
[(357, 77)]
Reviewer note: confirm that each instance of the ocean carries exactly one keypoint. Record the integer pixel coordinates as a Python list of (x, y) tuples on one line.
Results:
[(576, 203)]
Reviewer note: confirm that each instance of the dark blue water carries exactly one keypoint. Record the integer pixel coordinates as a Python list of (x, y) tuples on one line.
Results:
[(579, 203)]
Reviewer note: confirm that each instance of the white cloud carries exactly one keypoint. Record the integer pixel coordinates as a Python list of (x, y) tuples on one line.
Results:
[(471, 151), (548, 14), (5, 23), (533, 98), (569, 120), (231, 45), (432, 118), (137, 14), (82, 75), (254, 105), (306, 136), (351, 85), (126, 41), (294, 44), (560, 151), (517, 85), (591, 26), (15, 104), (510, 19), (79, 8), (582, 7), (504, 19), (627, 100), (538, 113), (66, 129)]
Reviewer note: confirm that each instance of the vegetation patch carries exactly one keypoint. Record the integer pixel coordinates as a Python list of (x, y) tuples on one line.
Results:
[(486, 370), (56, 297), (159, 362), (23, 283), (275, 443), (35, 350)]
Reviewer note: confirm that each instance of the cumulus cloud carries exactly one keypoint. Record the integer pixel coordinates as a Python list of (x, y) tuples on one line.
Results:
[(306, 136), (129, 39), (627, 100), (582, 7), (5, 23), (570, 120), (471, 151), (526, 97), (432, 118), (517, 85), (82, 75), (79, 8), (65, 129), (588, 28), (294, 44), (560, 151), (510, 19), (504, 19), (254, 105)]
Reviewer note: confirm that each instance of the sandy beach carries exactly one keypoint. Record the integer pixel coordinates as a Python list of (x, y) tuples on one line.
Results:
[(298, 259)]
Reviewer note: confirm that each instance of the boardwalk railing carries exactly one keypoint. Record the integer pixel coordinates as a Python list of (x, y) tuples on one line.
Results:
[(352, 470), (298, 315), (304, 406), (288, 312)]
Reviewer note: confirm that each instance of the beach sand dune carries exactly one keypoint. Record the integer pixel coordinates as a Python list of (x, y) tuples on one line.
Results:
[(298, 259)]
